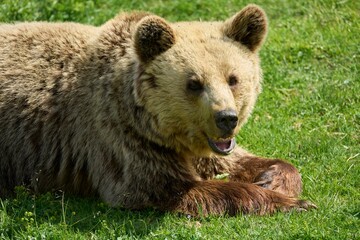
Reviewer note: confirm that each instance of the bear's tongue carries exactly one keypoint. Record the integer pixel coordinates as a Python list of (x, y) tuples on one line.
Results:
[(222, 147)]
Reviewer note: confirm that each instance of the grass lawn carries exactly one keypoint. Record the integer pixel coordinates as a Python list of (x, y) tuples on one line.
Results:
[(308, 113)]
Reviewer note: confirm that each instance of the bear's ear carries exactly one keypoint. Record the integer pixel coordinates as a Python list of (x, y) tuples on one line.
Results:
[(249, 27), (153, 36)]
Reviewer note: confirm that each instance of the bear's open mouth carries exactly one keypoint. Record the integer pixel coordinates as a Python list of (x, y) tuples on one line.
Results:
[(223, 147)]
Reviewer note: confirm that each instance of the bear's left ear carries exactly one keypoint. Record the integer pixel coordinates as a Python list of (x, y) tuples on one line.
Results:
[(153, 36), (249, 27)]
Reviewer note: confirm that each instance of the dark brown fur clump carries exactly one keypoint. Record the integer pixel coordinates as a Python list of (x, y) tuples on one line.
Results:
[(139, 111)]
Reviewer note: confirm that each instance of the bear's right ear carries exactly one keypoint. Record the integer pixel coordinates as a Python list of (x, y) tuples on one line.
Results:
[(248, 27), (153, 36)]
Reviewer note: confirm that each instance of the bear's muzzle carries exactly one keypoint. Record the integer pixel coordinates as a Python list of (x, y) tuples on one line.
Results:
[(226, 121)]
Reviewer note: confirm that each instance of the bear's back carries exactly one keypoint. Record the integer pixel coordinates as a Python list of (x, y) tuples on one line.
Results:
[(34, 56), (37, 61), (40, 45)]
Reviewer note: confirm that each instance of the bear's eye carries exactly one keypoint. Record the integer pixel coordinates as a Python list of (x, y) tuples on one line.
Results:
[(233, 80), (195, 86)]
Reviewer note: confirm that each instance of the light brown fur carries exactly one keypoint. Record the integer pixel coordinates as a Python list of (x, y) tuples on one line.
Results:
[(131, 111)]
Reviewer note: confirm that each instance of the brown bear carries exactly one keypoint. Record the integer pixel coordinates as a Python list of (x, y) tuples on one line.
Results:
[(141, 112)]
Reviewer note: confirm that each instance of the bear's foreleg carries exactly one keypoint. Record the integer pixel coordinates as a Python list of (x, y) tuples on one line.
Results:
[(241, 166), (272, 174), (219, 197)]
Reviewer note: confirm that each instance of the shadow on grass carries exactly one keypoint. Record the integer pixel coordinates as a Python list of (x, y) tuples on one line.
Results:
[(31, 213)]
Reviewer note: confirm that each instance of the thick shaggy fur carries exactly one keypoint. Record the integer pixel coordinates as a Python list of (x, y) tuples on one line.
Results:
[(127, 111)]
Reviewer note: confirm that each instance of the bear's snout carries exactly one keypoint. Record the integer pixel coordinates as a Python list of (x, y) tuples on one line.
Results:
[(226, 121)]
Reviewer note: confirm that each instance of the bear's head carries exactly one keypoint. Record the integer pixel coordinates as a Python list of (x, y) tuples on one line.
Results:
[(199, 80)]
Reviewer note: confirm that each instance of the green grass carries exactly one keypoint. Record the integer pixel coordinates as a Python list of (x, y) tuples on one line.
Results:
[(309, 113)]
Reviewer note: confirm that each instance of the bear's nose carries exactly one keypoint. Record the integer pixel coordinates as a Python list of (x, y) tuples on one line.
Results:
[(226, 120)]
